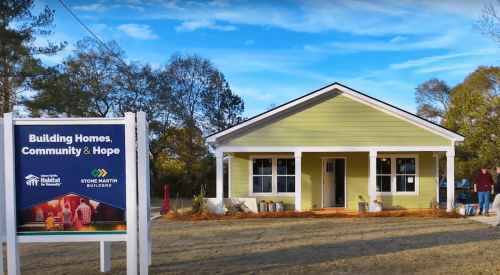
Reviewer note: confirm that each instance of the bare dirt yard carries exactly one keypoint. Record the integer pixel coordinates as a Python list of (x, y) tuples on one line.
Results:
[(292, 246)]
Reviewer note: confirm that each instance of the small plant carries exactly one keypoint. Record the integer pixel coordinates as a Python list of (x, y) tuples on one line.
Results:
[(361, 199), (435, 205), (175, 209), (199, 204)]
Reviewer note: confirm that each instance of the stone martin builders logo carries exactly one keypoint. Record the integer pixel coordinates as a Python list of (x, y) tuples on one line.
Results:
[(32, 180), (99, 173), (98, 181)]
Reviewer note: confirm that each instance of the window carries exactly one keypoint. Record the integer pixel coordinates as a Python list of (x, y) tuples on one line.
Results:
[(272, 175), (383, 175), (405, 174), (286, 175), (262, 175), (397, 174)]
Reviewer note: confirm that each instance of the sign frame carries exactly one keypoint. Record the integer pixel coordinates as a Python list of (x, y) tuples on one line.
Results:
[(130, 237)]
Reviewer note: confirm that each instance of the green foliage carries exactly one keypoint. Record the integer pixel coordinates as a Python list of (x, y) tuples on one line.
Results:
[(86, 85), (173, 160), (18, 65), (474, 113), (472, 109), (184, 100), (201, 102), (199, 204)]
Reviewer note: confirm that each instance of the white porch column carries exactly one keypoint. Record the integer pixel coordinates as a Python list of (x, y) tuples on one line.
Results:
[(298, 181), (219, 181), (450, 180), (372, 184), (229, 168), (436, 155)]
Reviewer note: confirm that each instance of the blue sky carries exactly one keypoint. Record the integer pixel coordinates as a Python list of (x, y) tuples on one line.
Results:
[(276, 51)]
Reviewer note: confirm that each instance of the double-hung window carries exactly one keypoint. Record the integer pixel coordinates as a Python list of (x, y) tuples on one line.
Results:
[(286, 175), (397, 175), (384, 175), (262, 175), (405, 174), (272, 175)]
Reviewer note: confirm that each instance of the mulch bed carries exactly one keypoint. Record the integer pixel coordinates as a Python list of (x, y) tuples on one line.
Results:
[(422, 213)]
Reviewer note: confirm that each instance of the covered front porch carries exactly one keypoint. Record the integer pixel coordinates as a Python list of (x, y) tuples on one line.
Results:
[(271, 173)]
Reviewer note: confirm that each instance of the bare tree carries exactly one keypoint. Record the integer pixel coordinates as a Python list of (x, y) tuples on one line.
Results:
[(489, 21), (433, 99)]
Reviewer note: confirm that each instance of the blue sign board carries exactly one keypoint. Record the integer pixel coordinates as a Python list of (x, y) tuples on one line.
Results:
[(52, 161)]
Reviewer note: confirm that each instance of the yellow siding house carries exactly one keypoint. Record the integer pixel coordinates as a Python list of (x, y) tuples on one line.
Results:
[(331, 146)]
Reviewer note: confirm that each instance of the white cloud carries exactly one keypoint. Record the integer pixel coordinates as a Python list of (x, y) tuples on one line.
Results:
[(116, 6), (169, 5), (99, 27), (194, 25), (254, 93), (141, 9), (450, 67), (93, 7), (133, 1), (381, 90), (218, 3), (398, 39), (425, 61), (373, 18), (396, 44), (466, 8), (249, 42), (88, 17), (290, 63), (138, 31)]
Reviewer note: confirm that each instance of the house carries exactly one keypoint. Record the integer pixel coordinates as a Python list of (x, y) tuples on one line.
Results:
[(331, 146)]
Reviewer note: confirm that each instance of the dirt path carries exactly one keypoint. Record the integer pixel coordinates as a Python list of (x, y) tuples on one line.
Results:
[(292, 246)]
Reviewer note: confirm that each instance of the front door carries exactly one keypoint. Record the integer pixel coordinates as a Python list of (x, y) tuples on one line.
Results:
[(329, 183), (334, 182), (339, 182)]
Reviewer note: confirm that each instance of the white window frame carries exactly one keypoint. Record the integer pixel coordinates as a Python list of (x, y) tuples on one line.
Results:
[(274, 176), (394, 175)]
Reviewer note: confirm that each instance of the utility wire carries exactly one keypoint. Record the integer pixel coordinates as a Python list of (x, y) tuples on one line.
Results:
[(115, 55)]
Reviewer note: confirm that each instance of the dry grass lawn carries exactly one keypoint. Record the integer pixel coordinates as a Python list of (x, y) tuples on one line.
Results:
[(292, 246)]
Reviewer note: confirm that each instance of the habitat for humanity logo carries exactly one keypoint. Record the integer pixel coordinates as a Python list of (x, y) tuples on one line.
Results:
[(45, 180), (32, 180)]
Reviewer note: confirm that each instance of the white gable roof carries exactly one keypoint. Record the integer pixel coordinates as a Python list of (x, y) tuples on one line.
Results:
[(348, 92)]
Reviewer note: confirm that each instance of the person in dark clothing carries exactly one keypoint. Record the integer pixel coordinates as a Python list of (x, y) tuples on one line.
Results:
[(483, 186), (496, 202)]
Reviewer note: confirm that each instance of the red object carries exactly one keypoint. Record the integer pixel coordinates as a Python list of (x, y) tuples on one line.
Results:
[(166, 202)]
